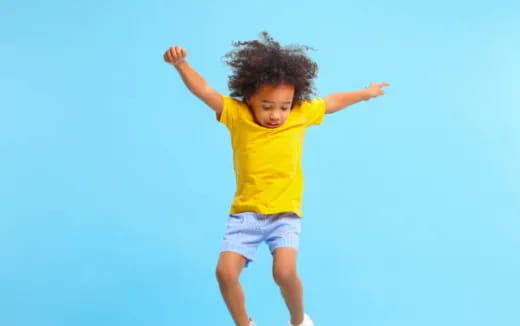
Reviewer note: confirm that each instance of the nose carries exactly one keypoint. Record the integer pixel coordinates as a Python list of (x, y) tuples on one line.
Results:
[(274, 116)]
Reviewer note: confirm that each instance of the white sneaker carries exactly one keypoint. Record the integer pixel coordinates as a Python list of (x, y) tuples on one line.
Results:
[(251, 322), (306, 321)]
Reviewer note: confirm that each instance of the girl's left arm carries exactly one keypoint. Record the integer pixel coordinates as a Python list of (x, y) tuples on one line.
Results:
[(337, 101)]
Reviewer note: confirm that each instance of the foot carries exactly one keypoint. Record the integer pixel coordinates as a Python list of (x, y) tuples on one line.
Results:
[(306, 321), (251, 322)]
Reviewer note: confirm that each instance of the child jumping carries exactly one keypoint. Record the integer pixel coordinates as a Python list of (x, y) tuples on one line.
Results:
[(266, 113)]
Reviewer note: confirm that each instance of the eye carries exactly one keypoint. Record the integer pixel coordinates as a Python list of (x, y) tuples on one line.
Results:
[(266, 107), (285, 108)]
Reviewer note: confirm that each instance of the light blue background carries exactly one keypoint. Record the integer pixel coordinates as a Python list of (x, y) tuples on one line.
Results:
[(115, 181)]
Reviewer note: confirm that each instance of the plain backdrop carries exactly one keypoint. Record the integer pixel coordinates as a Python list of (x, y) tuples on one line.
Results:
[(115, 181)]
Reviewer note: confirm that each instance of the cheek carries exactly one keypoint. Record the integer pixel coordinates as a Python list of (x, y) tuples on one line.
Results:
[(264, 115), (261, 115)]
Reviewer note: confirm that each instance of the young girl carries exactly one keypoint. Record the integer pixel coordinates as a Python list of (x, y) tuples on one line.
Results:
[(267, 112)]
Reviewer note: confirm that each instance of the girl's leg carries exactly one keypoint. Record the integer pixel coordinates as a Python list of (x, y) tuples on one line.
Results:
[(284, 273), (229, 266)]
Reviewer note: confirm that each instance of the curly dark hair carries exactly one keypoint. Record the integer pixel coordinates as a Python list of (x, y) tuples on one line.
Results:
[(255, 63)]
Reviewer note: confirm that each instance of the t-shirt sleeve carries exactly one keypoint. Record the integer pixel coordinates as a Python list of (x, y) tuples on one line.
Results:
[(228, 115), (314, 111)]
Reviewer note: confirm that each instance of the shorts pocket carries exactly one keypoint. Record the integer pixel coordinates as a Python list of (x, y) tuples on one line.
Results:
[(235, 219)]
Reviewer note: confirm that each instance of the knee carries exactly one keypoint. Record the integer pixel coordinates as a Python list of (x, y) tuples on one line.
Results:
[(226, 276), (284, 276)]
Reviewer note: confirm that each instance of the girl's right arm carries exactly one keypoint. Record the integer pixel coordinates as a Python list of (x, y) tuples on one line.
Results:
[(196, 84)]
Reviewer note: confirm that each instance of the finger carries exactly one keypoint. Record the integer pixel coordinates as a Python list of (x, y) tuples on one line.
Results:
[(178, 50), (383, 84), (179, 54), (175, 54), (169, 55), (166, 55)]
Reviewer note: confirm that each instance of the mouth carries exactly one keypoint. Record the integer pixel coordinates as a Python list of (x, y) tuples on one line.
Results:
[(272, 125)]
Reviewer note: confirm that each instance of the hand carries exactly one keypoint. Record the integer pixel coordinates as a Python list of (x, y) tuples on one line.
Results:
[(375, 89), (174, 55)]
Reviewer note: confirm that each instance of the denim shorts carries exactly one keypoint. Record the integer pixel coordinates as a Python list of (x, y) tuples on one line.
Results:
[(245, 231)]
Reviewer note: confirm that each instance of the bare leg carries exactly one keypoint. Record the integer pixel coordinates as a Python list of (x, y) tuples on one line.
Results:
[(284, 273), (229, 266)]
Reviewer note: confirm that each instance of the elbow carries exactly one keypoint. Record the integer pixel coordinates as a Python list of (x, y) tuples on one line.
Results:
[(331, 104)]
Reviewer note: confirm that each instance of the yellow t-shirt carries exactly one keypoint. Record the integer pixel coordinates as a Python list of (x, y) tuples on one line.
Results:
[(267, 162)]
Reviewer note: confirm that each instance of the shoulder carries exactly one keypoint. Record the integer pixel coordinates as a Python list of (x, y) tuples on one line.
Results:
[(231, 101), (309, 104), (312, 110), (231, 108)]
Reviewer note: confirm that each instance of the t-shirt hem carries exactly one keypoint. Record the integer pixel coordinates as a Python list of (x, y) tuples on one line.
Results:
[(298, 212)]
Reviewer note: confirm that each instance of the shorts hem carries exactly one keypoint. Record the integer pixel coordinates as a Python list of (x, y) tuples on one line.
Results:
[(285, 245), (241, 253)]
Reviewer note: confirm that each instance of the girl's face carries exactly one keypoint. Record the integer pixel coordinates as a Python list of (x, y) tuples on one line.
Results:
[(271, 104)]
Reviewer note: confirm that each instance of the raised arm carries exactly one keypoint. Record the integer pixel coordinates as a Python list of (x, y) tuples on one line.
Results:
[(337, 101), (175, 56)]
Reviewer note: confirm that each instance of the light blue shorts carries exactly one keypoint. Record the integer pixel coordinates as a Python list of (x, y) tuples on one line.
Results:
[(245, 231)]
